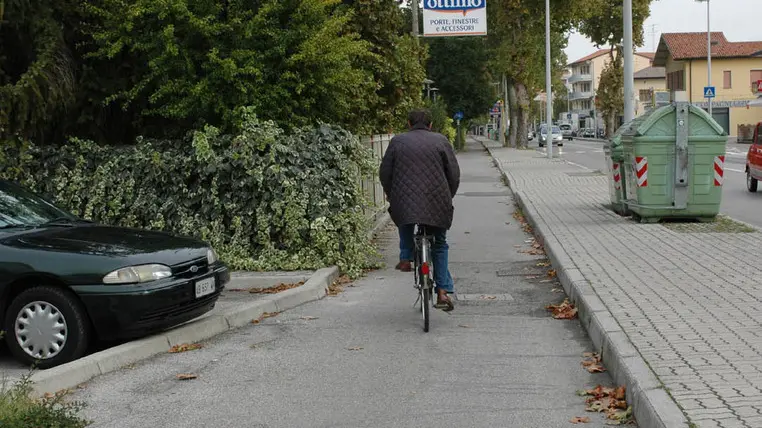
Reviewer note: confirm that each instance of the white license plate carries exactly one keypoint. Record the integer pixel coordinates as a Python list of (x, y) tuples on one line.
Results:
[(204, 287)]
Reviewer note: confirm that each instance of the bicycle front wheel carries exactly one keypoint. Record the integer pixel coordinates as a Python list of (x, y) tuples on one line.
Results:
[(426, 307)]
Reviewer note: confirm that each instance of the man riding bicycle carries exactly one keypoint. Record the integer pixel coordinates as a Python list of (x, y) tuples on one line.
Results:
[(420, 175)]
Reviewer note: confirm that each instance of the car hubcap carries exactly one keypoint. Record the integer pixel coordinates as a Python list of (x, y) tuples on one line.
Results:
[(41, 330)]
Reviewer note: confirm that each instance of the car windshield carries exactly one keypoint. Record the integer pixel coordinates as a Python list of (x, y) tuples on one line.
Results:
[(19, 208), (544, 130), (565, 127)]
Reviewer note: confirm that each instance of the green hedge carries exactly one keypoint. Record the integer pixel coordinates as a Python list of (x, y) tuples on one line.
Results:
[(265, 200)]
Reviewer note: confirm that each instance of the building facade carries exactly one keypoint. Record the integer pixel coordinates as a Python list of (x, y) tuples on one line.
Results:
[(736, 68), (583, 81), (647, 81)]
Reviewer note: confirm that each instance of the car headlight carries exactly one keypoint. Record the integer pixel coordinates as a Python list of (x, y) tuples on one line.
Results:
[(211, 256), (138, 274)]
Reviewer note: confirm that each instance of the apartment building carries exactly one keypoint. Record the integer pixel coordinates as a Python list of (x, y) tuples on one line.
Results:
[(736, 69), (647, 81), (584, 79)]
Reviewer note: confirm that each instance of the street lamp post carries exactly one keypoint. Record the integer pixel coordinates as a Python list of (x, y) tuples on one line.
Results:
[(548, 89), (708, 51), (629, 73)]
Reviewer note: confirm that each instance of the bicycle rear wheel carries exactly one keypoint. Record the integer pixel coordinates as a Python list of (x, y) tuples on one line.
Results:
[(426, 307)]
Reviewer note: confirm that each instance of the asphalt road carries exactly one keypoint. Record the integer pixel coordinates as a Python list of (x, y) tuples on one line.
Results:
[(737, 202), (361, 359)]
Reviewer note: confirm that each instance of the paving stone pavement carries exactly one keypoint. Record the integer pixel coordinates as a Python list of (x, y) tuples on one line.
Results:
[(688, 302)]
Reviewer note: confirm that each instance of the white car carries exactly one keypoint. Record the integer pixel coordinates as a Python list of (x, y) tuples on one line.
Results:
[(557, 137)]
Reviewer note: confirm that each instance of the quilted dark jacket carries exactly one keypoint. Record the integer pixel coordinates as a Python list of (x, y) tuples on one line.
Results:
[(420, 175)]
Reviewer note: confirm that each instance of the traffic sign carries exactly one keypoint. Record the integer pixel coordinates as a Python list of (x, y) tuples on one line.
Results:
[(568, 115), (709, 92), (459, 115)]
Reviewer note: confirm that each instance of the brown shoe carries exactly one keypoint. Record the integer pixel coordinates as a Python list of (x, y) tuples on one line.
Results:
[(404, 266), (444, 302)]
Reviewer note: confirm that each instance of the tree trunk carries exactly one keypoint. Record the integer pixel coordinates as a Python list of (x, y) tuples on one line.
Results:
[(525, 106), (513, 110)]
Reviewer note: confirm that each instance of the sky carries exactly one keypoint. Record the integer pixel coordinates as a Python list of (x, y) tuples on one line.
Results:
[(738, 19)]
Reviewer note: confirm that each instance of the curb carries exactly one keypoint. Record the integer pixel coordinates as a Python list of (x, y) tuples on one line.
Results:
[(652, 406), (71, 374)]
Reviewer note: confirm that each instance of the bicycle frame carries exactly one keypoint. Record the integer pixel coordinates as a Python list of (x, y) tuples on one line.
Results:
[(424, 277)]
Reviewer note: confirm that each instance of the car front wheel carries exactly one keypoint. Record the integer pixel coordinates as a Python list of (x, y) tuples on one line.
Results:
[(751, 182), (46, 326)]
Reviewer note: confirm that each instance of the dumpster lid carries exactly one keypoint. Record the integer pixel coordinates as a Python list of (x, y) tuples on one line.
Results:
[(661, 122)]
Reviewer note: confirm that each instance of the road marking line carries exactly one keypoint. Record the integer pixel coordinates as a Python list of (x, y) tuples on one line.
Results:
[(581, 152), (735, 170), (578, 165)]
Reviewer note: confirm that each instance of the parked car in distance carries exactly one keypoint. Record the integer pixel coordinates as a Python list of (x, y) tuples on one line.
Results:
[(588, 133), (556, 136), (530, 136), (566, 131), (65, 281), (754, 160)]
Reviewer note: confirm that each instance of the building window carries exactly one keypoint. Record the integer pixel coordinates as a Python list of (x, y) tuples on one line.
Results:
[(645, 95), (676, 81), (727, 78), (756, 75)]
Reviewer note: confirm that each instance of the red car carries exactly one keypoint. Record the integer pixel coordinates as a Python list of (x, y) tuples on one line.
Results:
[(754, 160)]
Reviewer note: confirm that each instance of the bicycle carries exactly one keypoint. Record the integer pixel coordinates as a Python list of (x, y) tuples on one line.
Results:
[(424, 277)]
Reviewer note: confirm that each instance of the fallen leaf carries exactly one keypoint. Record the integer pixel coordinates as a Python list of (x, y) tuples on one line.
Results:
[(308, 318), (557, 290), (263, 316), (355, 348), (609, 401), (186, 376), (596, 368), (185, 347), (276, 289), (483, 297), (620, 392), (464, 326), (543, 264), (552, 273), (580, 420), (563, 311)]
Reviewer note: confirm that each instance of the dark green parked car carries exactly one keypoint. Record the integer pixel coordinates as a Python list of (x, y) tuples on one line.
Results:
[(65, 281)]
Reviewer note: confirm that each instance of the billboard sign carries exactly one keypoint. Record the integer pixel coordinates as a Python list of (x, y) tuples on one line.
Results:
[(443, 18)]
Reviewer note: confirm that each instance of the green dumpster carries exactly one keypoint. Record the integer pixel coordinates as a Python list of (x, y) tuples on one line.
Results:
[(674, 164)]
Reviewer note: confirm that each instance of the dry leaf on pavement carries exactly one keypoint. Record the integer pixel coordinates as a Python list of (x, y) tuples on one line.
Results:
[(552, 273), (593, 362), (185, 347), (263, 316), (580, 420), (563, 311), (308, 318), (610, 401), (186, 376), (464, 326), (355, 348), (276, 289)]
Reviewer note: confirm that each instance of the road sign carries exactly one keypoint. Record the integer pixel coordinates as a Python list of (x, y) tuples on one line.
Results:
[(568, 116), (459, 115), (454, 18), (709, 92)]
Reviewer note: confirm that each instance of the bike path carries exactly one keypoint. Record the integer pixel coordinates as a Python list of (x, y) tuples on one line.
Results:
[(361, 359)]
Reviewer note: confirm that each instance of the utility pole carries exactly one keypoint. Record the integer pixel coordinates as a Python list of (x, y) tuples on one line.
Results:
[(629, 78), (415, 19), (504, 117), (708, 53), (548, 89)]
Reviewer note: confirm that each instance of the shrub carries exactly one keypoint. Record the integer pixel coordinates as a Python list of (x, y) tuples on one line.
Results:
[(19, 410), (265, 200)]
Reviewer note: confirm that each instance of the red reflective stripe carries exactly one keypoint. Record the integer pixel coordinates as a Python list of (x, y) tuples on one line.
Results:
[(425, 268)]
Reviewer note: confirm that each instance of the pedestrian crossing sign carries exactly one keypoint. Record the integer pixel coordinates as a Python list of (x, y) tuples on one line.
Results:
[(709, 92)]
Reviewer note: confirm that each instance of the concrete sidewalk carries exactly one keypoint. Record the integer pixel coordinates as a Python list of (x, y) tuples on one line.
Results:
[(689, 301)]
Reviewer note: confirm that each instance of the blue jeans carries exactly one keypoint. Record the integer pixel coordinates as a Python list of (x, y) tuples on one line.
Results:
[(440, 253)]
